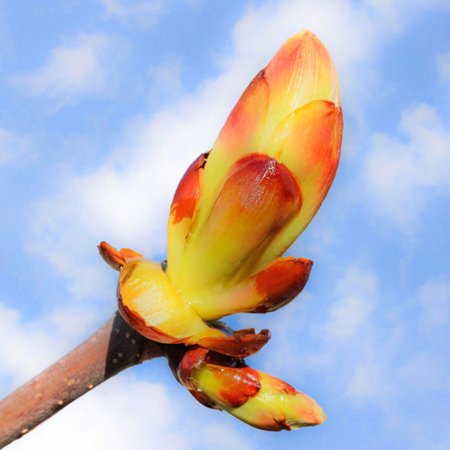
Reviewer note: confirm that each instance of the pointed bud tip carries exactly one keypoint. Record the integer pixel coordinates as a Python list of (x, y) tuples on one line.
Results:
[(303, 35), (310, 413), (321, 416), (306, 46)]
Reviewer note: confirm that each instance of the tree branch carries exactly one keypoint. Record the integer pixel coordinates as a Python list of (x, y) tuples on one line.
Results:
[(113, 348)]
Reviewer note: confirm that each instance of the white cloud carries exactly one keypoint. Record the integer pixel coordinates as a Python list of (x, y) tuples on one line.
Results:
[(26, 348), (434, 297), (426, 370), (70, 321), (351, 314), (403, 175), (351, 341), (167, 76), (366, 380), (29, 346), (73, 68), (443, 66), (141, 12), (367, 350), (224, 436), (12, 147)]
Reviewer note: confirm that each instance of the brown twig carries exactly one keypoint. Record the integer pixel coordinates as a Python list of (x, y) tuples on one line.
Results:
[(113, 348)]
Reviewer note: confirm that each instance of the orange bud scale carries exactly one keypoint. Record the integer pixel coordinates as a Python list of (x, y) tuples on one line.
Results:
[(280, 282), (187, 194)]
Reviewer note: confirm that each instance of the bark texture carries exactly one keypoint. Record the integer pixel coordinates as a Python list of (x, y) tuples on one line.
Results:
[(113, 348)]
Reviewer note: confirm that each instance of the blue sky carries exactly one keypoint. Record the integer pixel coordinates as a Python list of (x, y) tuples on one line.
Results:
[(104, 103)]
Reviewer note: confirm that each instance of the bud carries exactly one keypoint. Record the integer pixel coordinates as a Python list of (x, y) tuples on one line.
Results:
[(250, 395), (239, 207)]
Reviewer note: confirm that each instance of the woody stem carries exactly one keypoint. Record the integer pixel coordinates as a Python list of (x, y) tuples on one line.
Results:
[(112, 348)]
